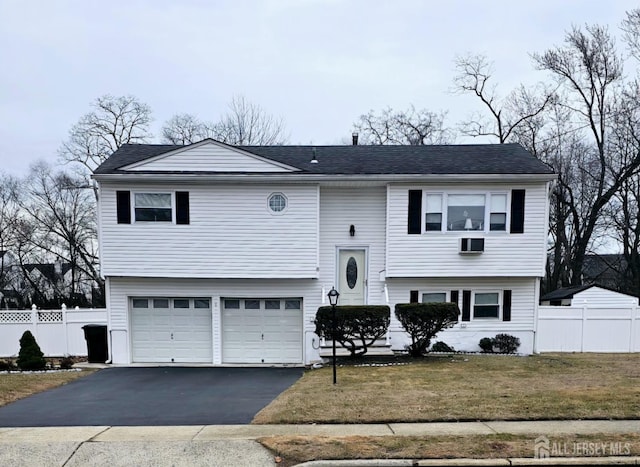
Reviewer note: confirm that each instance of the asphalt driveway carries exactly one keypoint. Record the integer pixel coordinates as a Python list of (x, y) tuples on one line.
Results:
[(154, 397)]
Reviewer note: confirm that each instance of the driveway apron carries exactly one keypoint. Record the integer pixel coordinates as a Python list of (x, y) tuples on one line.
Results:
[(154, 397)]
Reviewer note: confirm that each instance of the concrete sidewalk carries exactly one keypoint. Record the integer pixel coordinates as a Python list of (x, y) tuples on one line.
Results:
[(235, 444)]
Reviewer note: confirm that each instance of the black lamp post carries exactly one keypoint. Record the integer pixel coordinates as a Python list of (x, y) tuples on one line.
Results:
[(333, 299)]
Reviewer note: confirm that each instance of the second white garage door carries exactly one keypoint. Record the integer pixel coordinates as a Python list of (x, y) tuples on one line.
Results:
[(171, 330), (262, 330)]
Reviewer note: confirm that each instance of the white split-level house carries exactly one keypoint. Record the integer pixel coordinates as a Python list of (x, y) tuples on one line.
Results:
[(220, 254)]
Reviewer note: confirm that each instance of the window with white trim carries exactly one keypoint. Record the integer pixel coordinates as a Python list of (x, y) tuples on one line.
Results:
[(152, 207), (434, 297), (498, 214), (433, 216), (464, 212), (486, 305)]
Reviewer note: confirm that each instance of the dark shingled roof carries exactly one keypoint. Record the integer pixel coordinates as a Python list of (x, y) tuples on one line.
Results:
[(366, 160), (569, 292), (565, 292)]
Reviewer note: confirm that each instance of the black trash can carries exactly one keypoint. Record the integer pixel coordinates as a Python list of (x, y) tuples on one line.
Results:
[(96, 337)]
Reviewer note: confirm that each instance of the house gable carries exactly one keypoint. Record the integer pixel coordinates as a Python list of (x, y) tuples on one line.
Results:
[(209, 156)]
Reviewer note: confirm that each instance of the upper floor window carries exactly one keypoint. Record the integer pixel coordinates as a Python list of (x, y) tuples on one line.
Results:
[(152, 207), (434, 212), (498, 214), (465, 212), (460, 212)]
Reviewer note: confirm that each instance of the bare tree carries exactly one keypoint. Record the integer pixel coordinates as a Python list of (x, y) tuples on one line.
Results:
[(114, 121), (507, 115), (59, 226), (245, 123), (185, 129), (589, 70), (410, 127), (9, 214), (631, 28)]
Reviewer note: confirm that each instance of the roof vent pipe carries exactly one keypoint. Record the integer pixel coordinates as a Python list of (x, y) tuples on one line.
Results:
[(314, 159), (354, 138)]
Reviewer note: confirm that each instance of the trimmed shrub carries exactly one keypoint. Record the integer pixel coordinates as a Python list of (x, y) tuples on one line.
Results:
[(357, 326), (7, 365), (441, 347), (66, 363), (423, 321), (30, 356), (506, 343), (486, 344)]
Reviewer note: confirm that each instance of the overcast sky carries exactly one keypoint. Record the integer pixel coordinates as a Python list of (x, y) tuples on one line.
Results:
[(318, 64)]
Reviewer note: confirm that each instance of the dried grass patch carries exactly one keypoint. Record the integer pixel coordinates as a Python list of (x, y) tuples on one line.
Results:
[(295, 449), (462, 387), (14, 386)]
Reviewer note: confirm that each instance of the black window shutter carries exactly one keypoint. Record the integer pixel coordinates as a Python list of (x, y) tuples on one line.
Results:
[(454, 296), (413, 296), (466, 305), (123, 207), (517, 211), (414, 225), (182, 207), (506, 305)]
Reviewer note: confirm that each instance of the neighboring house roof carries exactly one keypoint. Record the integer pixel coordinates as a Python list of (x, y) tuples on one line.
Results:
[(363, 160), (569, 292), (565, 292), (47, 270), (604, 269)]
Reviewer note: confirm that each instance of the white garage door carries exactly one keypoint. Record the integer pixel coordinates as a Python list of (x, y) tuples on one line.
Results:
[(262, 330), (171, 330)]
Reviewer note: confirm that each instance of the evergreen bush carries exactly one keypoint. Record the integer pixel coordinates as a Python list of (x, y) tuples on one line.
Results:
[(30, 356), (357, 326), (423, 321), (441, 347)]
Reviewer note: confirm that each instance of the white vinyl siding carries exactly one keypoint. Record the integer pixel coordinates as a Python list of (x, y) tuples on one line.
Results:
[(523, 292), (465, 335), (210, 157), (364, 208), (225, 238), (436, 254)]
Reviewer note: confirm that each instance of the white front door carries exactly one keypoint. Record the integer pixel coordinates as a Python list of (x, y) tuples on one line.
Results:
[(352, 278)]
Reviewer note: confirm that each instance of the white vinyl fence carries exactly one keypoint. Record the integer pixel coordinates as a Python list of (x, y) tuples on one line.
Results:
[(58, 332), (588, 328)]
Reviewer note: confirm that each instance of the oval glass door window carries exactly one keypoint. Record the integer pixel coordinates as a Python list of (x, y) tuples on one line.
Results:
[(352, 272)]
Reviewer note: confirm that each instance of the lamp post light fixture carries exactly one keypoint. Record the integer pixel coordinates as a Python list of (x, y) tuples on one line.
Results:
[(333, 299)]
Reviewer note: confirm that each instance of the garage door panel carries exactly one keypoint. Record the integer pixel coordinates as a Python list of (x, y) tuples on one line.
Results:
[(167, 334), (270, 334)]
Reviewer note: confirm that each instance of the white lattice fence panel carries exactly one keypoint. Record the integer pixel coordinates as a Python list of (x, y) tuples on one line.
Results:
[(15, 316), (50, 316)]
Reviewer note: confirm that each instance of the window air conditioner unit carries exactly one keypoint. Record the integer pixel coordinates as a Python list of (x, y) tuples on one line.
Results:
[(471, 245)]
